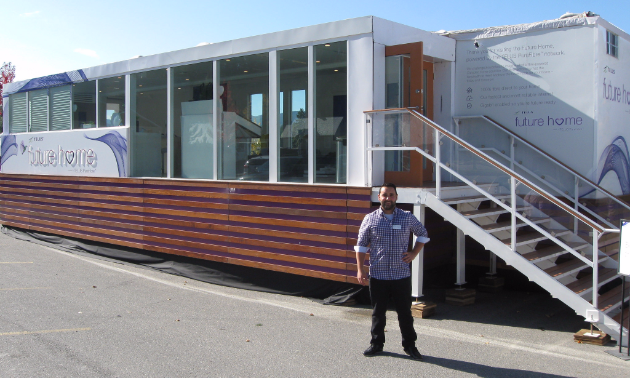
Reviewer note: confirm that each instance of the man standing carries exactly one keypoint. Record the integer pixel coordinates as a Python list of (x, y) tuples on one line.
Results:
[(386, 232)]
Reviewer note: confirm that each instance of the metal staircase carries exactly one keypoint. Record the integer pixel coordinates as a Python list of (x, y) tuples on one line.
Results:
[(536, 214)]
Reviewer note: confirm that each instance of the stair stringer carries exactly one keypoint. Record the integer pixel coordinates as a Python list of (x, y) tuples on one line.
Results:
[(532, 272)]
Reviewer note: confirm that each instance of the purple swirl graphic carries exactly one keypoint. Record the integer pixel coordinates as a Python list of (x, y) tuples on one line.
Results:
[(118, 144), (9, 148), (615, 158)]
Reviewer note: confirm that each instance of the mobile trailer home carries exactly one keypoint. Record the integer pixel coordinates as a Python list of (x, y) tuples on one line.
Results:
[(310, 121)]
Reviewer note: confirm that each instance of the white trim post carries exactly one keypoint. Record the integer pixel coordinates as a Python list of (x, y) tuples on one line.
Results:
[(170, 140), (460, 254), (311, 114), (215, 119), (274, 85), (417, 265)]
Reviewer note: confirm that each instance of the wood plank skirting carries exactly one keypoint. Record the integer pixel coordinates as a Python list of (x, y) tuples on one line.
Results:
[(307, 230)]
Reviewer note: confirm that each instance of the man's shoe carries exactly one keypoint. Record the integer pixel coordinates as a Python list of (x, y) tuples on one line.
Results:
[(413, 353), (373, 350)]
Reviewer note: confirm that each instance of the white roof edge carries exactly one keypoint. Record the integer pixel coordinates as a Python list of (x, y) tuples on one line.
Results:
[(302, 35), (613, 28), (500, 31), (390, 33)]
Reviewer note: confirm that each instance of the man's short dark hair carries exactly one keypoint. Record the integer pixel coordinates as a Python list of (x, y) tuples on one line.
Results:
[(388, 185)]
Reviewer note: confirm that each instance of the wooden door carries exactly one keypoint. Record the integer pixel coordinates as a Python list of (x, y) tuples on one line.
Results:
[(420, 169)]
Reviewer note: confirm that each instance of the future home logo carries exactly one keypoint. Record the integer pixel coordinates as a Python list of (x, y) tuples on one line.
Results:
[(79, 157), (616, 94), (548, 121)]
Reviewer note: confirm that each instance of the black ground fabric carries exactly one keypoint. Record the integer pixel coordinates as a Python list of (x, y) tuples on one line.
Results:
[(329, 292)]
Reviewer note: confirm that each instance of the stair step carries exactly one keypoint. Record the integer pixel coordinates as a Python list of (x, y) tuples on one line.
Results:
[(612, 298), (585, 284), (611, 253), (551, 252), (608, 242), (453, 201), (506, 225), (531, 237), (565, 268), (487, 212)]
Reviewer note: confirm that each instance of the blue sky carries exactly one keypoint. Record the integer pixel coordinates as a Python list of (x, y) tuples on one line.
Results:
[(46, 37)]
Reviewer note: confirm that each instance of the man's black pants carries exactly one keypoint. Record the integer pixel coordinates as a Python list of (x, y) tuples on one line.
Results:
[(380, 293)]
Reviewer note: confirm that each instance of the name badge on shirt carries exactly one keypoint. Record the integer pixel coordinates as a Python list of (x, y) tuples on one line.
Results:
[(396, 227)]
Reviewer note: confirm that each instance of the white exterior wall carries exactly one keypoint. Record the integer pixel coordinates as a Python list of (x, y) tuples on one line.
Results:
[(612, 92), (538, 84), (379, 101), (360, 89)]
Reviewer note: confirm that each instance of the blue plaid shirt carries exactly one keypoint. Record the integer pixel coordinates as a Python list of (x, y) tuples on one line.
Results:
[(388, 240)]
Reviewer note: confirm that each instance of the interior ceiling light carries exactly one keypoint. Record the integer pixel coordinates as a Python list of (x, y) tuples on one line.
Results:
[(178, 88), (120, 77), (227, 60), (327, 45), (245, 71), (317, 61), (187, 79), (140, 85), (336, 70)]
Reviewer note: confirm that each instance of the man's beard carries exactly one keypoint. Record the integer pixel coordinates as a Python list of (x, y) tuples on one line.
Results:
[(388, 205)]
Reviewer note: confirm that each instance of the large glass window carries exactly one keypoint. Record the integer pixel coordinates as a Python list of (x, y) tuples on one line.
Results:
[(293, 119), (192, 121), (111, 102), (244, 133), (18, 113), (148, 126), (84, 105), (330, 112)]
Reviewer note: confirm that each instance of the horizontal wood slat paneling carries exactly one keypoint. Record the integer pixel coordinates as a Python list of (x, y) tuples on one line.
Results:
[(307, 230)]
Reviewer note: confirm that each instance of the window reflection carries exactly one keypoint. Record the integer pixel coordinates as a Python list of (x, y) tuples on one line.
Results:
[(244, 146), (149, 124), (330, 112), (84, 105), (111, 102), (293, 123), (192, 121)]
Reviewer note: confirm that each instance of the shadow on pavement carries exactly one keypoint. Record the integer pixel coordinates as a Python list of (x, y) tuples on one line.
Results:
[(484, 370)]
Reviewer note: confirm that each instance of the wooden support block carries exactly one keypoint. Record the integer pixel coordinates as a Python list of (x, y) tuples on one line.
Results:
[(423, 310), (491, 284), (600, 339), (460, 297)]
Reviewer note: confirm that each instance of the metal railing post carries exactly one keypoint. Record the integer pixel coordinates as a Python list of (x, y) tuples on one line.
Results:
[(595, 268), (576, 204), (438, 173), (512, 153), (513, 213)]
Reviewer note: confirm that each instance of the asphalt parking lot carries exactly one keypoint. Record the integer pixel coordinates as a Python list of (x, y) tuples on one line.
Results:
[(75, 315)]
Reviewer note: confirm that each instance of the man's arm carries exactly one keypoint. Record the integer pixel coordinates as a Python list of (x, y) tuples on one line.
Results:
[(361, 248), (421, 239), (409, 256), (361, 276)]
